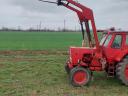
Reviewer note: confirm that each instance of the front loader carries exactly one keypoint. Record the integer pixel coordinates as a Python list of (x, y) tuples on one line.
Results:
[(109, 55)]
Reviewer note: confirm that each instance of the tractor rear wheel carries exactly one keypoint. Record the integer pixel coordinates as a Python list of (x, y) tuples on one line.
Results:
[(122, 71), (79, 76)]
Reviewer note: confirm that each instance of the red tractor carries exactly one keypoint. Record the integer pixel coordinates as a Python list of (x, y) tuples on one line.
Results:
[(110, 54)]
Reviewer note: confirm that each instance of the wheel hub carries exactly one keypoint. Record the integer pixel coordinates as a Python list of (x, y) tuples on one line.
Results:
[(80, 77)]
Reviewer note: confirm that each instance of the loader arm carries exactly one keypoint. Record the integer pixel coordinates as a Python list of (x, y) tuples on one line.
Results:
[(85, 15)]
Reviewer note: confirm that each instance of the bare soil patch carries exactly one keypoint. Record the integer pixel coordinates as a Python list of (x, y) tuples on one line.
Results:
[(33, 52), (18, 56)]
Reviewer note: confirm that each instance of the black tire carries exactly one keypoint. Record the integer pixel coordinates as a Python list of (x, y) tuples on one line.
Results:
[(67, 69), (121, 69), (80, 76)]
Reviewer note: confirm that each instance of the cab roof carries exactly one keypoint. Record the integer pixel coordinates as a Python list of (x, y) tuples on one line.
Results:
[(116, 32)]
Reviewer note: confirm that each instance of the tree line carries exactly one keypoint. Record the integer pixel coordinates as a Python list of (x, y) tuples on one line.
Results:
[(6, 29)]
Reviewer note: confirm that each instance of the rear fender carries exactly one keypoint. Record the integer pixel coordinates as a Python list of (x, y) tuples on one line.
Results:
[(119, 57)]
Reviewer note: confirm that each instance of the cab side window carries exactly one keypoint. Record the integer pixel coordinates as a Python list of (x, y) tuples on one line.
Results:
[(117, 41)]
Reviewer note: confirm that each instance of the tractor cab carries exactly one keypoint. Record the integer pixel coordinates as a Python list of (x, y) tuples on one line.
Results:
[(114, 45)]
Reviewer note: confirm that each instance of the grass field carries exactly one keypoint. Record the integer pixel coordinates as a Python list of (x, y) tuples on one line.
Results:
[(38, 68), (38, 40)]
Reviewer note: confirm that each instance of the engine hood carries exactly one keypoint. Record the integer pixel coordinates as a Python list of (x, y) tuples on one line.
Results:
[(76, 53)]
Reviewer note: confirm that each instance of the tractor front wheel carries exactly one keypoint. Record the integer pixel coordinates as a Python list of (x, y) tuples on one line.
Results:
[(79, 76), (122, 71)]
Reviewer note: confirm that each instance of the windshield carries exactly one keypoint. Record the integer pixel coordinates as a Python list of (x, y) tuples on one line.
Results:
[(103, 39), (107, 40)]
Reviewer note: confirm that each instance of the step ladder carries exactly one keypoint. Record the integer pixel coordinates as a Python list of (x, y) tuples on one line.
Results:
[(111, 70)]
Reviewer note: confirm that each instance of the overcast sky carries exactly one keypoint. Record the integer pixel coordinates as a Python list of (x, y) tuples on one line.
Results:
[(29, 13)]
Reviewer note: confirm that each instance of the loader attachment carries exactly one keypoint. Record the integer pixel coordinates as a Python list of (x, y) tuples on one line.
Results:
[(86, 19)]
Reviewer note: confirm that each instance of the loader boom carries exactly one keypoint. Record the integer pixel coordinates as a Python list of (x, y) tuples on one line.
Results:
[(86, 19), (85, 15)]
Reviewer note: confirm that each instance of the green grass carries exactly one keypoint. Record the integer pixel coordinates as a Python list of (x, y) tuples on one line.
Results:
[(44, 75), (38, 40), (32, 73)]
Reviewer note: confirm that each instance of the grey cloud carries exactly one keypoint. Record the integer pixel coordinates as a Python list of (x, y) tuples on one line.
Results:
[(120, 1), (38, 6), (30, 12), (121, 6)]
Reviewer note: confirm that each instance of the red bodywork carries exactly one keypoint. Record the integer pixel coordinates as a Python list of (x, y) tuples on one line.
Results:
[(111, 55), (77, 58)]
